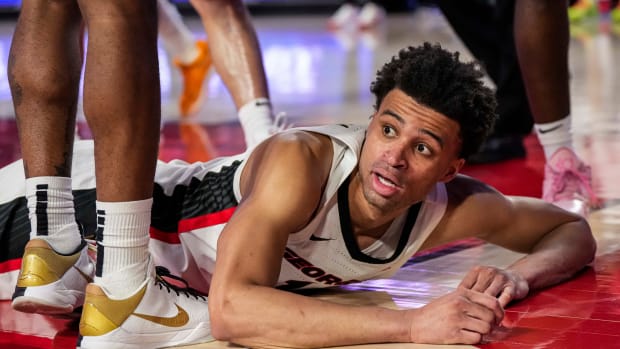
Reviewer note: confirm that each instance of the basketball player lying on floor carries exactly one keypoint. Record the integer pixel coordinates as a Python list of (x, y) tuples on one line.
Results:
[(331, 205)]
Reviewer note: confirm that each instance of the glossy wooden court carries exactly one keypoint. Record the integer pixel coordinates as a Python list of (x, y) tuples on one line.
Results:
[(319, 77)]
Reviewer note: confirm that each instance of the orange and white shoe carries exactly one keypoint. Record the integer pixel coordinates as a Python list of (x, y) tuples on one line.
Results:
[(159, 314), (194, 75), (52, 283)]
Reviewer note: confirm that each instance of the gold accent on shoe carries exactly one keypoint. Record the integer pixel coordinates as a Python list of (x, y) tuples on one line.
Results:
[(41, 265), (101, 314)]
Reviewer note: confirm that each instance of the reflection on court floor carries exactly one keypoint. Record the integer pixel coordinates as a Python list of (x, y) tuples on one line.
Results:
[(319, 77)]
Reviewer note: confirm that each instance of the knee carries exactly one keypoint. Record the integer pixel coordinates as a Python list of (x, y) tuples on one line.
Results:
[(44, 84), (31, 73)]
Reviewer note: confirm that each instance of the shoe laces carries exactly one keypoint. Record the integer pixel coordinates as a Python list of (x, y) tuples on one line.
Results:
[(280, 123), (162, 273)]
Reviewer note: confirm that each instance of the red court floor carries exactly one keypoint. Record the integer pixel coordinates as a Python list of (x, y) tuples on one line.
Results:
[(317, 77)]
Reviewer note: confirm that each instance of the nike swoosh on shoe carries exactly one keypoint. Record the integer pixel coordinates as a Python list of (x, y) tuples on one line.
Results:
[(179, 320)]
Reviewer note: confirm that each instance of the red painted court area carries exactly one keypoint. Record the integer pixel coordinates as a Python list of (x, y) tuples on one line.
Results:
[(319, 77), (581, 313), (584, 312)]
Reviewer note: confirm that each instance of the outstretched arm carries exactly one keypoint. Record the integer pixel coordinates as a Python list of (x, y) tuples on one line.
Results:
[(282, 186), (557, 243)]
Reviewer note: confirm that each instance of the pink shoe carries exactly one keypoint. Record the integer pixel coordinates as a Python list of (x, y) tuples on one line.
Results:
[(568, 183)]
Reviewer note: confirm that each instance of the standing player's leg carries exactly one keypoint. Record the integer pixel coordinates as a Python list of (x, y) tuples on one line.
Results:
[(128, 303), (541, 38), (237, 58), (14, 227), (44, 73)]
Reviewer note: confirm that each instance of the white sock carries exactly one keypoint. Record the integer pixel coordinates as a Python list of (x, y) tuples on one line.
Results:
[(554, 135), (177, 39), (52, 213), (122, 245), (256, 118)]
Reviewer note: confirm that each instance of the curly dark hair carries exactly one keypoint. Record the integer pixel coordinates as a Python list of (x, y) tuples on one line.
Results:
[(437, 79)]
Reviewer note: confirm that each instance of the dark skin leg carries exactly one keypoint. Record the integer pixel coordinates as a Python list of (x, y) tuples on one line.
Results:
[(122, 95), (541, 38), (44, 74)]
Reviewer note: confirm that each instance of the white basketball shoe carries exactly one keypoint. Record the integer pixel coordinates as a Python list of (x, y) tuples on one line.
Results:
[(52, 283), (159, 314)]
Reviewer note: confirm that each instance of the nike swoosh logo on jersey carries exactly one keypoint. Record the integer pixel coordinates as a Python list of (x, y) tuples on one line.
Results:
[(318, 238), (549, 129), (179, 320)]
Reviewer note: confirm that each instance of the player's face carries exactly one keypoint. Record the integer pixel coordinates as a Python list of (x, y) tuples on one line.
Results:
[(408, 149)]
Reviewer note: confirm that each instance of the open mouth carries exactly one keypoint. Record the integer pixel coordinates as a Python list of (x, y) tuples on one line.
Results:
[(385, 186), (386, 181)]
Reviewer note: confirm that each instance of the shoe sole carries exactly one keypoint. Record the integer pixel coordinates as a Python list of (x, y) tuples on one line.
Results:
[(38, 306), (148, 340), (51, 299)]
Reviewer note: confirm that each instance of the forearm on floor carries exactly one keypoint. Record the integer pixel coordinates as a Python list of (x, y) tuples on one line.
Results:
[(265, 317)]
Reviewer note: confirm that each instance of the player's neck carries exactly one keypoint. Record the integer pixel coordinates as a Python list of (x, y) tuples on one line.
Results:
[(366, 221)]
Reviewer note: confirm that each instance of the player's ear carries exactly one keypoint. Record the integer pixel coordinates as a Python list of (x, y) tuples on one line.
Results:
[(453, 170)]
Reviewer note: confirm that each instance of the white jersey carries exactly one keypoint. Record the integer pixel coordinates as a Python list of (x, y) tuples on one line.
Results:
[(325, 252), (193, 202)]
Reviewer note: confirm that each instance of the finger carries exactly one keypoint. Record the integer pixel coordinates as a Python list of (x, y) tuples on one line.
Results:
[(479, 326), (469, 280), (482, 283), (478, 279), (506, 296), (489, 302), (480, 312), (486, 276), (498, 285), (469, 337)]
